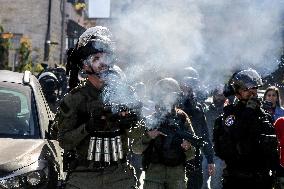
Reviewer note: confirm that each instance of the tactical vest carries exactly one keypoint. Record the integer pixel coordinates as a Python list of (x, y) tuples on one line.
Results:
[(224, 144), (105, 145), (165, 150), (243, 146)]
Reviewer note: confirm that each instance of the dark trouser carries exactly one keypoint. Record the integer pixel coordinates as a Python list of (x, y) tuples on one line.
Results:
[(136, 161), (247, 181), (216, 178), (159, 176), (279, 184), (194, 174), (118, 177)]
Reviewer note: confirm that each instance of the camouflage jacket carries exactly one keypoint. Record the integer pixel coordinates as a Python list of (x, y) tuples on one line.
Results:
[(74, 114), (142, 142)]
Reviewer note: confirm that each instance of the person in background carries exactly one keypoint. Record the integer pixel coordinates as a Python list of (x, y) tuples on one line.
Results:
[(195, 111), (60, 73), (164, 154), (279, 129), (148, 108), (193, 79), (215, 108), (148, 105), (272, 102), (50, 87)]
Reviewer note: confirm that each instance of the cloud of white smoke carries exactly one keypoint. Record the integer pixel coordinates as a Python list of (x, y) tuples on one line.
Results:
[(215, 37), (239, 35), (159, 38)]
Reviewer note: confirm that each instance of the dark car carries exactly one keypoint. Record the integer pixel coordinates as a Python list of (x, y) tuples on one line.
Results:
[(28, 158)]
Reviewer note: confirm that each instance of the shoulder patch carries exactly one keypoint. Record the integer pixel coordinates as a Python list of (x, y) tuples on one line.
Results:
[(230, 120)]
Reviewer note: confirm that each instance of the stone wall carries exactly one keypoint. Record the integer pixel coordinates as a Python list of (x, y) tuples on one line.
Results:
[(30, 18)]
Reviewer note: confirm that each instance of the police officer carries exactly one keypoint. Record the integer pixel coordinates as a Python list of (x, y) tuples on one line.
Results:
[(192, 77), (60, 73), (50, 86), (197, 116), (243, 136), (147, 109), (92, 131), (163, 154), (215, 108)]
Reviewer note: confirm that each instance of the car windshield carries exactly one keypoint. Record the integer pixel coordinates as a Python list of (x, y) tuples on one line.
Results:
[(17, 112)]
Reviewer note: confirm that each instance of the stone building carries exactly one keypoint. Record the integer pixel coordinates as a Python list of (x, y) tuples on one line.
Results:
[(51, 25)]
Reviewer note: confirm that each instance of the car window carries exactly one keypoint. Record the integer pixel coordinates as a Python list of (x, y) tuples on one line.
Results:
[(17, 112)]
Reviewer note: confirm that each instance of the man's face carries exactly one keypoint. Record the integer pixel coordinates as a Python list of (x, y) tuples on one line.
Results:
[(219, 99), (100, 62), (166, 101), (246, 94), (186, 90)]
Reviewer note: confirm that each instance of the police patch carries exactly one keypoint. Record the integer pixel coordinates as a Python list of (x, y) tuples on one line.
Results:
[(230, 120)]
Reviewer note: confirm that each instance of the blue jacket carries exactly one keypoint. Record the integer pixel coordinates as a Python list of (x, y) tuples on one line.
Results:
[(279, 112)]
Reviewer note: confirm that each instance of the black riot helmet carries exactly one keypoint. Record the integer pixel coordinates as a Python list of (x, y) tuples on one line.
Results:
[(166, 86), (93, 40), (167, 93), (96, 45), (96, 39), (246, 79), (49, 84), (190, 72), (190, 82)]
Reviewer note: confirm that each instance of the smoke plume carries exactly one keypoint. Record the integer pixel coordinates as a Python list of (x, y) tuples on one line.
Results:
[(214, 37), (158, 38)]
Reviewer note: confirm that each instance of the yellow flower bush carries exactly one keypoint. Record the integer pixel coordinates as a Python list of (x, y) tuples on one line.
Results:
[(26, 43), (27, 67), (25, 50), (80, 6), (4, 47), (38, 68), (6, 35)]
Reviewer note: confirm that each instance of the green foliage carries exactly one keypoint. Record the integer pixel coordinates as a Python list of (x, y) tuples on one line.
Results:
[(25, 51), (28, 67), (38, 68), (4, 50)]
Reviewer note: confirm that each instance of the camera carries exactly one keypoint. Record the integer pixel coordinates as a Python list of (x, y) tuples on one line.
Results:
[(268, 106)]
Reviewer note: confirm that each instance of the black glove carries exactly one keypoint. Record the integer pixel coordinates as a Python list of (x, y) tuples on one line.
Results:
[(95, 124), (128, 120), (267, 105), (253, 103)]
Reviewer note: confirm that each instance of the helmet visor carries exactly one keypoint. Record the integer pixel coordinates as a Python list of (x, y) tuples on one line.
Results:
[(248, 79)]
